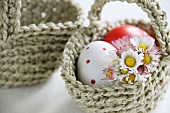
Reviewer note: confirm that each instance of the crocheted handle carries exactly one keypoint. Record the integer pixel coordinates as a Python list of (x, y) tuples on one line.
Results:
[(155, 14), (9, 18)]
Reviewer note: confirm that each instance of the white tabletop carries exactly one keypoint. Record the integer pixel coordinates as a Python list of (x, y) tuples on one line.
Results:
[(51, 96)]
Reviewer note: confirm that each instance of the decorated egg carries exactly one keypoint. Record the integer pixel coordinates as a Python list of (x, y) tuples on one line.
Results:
[(125, 30), (90, 63)]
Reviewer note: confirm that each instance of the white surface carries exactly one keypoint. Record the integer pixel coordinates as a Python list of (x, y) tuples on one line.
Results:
[(51, 96)]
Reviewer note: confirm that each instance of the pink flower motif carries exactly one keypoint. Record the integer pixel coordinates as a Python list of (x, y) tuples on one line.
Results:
[(122, 44), (140, 71), (143, 70), (109, 74), (155, 55)]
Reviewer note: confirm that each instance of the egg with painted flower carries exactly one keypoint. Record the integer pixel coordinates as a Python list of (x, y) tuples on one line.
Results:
[(90, 64)]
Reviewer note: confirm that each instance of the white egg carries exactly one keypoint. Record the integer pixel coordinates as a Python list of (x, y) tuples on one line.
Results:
[(90, 63)]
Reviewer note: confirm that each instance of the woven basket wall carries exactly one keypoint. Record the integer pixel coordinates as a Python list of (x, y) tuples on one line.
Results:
[(33, 34), (141, 97)]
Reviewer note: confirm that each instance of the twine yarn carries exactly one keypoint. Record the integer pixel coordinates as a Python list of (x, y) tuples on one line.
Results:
[(32, 38), (141, 97)]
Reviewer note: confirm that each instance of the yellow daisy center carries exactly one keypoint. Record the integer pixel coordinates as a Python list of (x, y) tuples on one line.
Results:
[(114, 61), (109, 74), (147, 59), (124, 79), (143, 47), (130, 79), (124, 71), (130, 61)]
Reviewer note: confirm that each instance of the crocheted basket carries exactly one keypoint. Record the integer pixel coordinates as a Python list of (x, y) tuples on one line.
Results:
[(32, 38), (141, 97)]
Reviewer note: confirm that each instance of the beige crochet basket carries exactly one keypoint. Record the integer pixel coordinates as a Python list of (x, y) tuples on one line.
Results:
[(33, 34), (141, 97)]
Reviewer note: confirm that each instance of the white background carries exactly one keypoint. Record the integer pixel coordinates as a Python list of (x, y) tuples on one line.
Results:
[(51, 96)]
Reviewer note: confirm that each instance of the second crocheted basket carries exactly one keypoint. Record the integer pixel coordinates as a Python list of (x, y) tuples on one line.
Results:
[(33, 34), (140, 97)]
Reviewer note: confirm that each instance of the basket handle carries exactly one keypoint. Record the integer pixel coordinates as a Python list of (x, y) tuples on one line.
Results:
[(155, 14), (9, 18)]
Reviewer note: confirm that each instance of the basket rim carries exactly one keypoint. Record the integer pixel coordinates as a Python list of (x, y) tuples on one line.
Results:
[(79, 21), (68, 25), (15, 30)]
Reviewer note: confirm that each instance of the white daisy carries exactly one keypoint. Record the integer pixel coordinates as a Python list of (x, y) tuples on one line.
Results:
[(109, 72), (111, 59), (122, 44), (130, 78), (151, 59), (112, 63), (143, 78), (142, 43), (131, 60), (155, 53), (121, 73)]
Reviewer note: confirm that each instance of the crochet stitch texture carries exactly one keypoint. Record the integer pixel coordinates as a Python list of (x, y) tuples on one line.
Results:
[(33, 34), (141, 97)]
